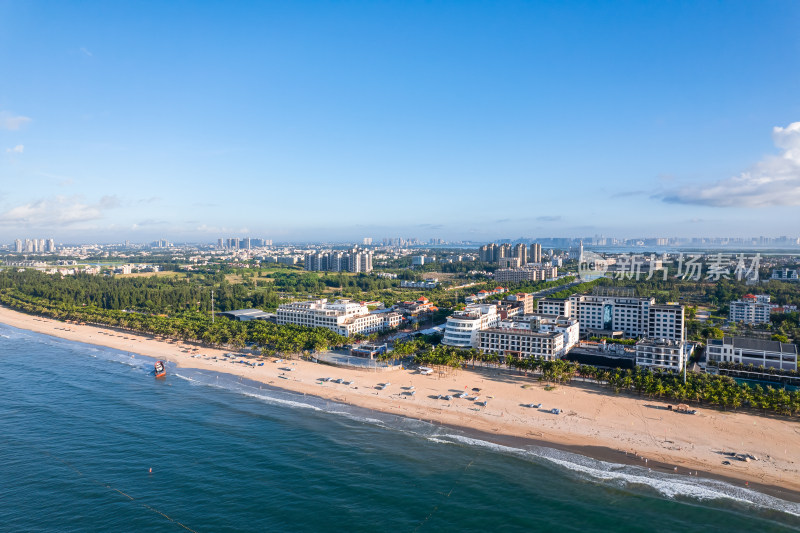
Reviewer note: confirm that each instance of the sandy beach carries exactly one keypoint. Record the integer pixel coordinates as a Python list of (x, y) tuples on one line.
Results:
[(593, 421)]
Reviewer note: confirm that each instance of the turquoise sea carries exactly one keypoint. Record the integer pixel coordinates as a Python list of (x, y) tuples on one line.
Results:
[(82, 426)]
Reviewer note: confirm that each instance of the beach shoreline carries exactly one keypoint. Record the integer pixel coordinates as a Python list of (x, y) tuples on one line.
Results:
[(594, 423)]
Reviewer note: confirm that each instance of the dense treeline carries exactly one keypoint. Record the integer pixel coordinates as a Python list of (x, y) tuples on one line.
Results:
[(308, 282), (187, 325), (150, 294)]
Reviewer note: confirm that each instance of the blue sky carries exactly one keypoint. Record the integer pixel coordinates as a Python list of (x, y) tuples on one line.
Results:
[(340, 120)]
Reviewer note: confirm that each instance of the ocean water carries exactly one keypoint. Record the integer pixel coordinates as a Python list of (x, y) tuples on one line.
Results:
[(82, 426)]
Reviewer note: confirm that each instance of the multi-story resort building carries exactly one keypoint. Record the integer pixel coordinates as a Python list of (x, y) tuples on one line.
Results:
[(751, 309), (666, 321), (526, 273), (630, 316), (344, 317), (756, 352), (463, 327), (662, 353), (539, 336), (554, 306)]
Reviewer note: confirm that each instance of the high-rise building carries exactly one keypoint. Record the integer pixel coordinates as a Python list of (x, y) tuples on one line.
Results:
[(353, 261), (504, 250), (521, 252), (18, 246), (367, 241), (486, 253), (536, 253)]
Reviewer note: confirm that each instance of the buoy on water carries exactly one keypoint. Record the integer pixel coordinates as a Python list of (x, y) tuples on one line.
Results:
[(151, 470)]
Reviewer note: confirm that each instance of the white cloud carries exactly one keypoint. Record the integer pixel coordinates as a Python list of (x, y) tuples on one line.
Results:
[(12, 122), (773, 181), (18, 149), (87, 52), (58, 211)]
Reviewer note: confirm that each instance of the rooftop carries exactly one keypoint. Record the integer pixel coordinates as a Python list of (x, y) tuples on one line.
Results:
[(746, 343)]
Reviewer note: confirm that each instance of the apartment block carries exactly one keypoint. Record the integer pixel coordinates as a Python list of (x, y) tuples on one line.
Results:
[(527, 273), (751, 309)]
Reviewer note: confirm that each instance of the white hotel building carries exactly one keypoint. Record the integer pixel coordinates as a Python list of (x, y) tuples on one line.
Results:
[(463, 327), (344, 317), (662, 353), (634, 317), (540, 336)]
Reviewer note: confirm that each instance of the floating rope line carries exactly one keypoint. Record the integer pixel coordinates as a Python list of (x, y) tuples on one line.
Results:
[(109, 487)]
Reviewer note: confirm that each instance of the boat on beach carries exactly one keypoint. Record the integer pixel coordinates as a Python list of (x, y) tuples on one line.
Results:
[(160, 369)]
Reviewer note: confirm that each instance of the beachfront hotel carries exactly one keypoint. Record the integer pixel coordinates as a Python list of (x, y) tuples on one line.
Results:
[(627, 316), (662, 353), (540, 336), (344, 317), (463, 327), (554, 306), (756, 352)]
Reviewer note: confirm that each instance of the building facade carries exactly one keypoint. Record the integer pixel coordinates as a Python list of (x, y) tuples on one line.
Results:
[(463, 327), (536, 253), (631, 317), (662, 353), (353, 261), (344, 317), (784, 274), (540, 336), (528, 273), (522, 300), (756, 352), (554, 306), (751, 309)]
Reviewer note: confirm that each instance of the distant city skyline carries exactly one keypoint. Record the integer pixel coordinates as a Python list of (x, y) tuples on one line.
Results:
[(338, 122)]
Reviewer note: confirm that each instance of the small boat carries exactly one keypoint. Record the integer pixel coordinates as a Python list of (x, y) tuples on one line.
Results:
[(425, 371), (159, 369)]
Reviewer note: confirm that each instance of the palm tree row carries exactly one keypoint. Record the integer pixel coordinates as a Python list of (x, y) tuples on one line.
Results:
[(189, 326)]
